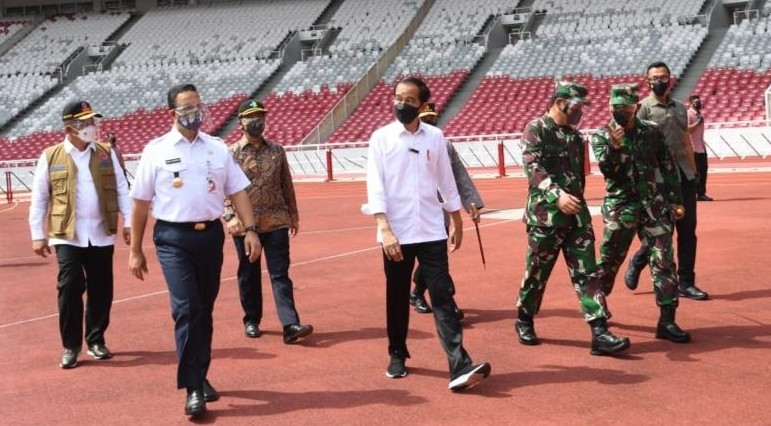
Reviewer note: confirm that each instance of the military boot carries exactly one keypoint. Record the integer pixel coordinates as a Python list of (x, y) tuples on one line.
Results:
[(603, 341), (526, 329), (667, 329), (632, 276)]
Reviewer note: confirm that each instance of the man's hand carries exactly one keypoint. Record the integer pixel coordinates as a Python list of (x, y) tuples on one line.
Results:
[(569, 204), (616, 136), (137, 265), (474, 214), (456, 231), (235, 227), (391, 246), (294, 229), (252, 246), (127, 235), (41, 248)]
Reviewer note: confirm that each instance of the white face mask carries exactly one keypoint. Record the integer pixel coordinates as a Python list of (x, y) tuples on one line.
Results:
[(87, 134)]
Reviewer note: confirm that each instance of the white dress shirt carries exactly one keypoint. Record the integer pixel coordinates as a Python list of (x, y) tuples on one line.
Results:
[(404, 171), (204, 170), (89, 220)]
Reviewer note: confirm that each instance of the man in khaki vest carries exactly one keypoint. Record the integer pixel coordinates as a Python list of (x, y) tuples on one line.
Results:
[(77, 192)]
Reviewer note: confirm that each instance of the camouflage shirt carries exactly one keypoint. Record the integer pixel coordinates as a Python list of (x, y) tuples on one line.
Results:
[(640, 176), (553, 158)]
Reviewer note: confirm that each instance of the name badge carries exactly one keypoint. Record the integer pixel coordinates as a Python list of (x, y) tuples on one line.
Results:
[(173, 161)]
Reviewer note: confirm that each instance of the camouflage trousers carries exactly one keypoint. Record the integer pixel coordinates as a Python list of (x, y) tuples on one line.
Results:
[(543, 247), (616, 239)]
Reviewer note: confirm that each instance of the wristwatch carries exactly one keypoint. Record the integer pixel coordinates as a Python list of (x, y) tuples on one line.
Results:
[(251, 228), (228, 217)]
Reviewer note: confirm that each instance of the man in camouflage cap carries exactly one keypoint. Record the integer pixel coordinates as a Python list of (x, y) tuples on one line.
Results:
[(558, 218), (643, 197)]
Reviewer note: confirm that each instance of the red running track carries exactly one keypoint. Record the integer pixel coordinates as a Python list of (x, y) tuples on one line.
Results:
[(336, 376)]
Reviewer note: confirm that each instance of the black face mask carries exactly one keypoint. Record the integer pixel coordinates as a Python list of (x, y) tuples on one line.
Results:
[(255, 128), (622, 117), (659, 88), (697, 105), (406, 114), (573, 117)]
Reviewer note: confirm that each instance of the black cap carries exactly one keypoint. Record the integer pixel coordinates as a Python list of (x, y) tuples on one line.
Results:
[(78, 110), (250, 106)]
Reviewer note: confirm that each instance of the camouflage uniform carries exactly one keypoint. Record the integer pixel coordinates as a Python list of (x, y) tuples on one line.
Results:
[(642, 184), (553, 157)]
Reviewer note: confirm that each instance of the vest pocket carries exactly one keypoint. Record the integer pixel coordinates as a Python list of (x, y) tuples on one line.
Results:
[(58, 219), (59, 183)]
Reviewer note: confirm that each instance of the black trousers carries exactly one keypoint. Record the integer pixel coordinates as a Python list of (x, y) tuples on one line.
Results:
[(702, 166), (686, 237), (84, 270), (275, 247), (192, 263), (432, 257)]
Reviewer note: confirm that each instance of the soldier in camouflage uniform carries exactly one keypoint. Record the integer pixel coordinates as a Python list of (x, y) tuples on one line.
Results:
[(643, 197), (558, 218)]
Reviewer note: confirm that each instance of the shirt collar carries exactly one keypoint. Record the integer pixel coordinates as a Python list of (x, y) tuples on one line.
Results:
[(403, 130), (178, 137), (69, 147)]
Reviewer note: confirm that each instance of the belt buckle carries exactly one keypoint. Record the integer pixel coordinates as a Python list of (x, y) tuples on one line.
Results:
[(200, 226)]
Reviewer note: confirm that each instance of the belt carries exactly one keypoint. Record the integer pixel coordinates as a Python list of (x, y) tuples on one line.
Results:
[(191, 226)]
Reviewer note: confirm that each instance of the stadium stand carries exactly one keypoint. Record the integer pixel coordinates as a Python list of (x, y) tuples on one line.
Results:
[(310, 89), (227, 63), (743, 56), (597, 43), (443, 51)]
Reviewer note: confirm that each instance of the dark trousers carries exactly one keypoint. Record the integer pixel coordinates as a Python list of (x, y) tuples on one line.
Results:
[(686, 238), (275, 246), (702, 167), (84, 270), (191, 262), (433, 259)]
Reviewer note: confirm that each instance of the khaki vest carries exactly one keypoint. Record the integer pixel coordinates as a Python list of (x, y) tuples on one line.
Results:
[(62, 175)]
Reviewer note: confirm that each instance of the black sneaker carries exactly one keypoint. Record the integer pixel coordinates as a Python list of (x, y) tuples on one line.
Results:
[(99, 351), (470, 376), (396, 368), (420, 304)]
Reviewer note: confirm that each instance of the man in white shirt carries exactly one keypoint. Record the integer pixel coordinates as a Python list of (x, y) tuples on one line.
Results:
[(407, 163), (77, 192), (187, 174)]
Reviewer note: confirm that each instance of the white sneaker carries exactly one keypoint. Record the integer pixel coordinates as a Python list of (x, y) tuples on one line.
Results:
[(470, 376)]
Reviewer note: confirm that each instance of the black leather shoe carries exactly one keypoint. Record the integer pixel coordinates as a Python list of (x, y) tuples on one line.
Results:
[(209, 393), (195, 404), (692, 292), (459, 314), (296, 331), (420, 304), (526, 332), (252, 330), (69, 358), (704, 198), (670, 331), (99, 351)]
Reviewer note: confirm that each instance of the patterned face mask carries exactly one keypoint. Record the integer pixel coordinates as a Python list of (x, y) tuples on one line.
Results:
[(191, 118)]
